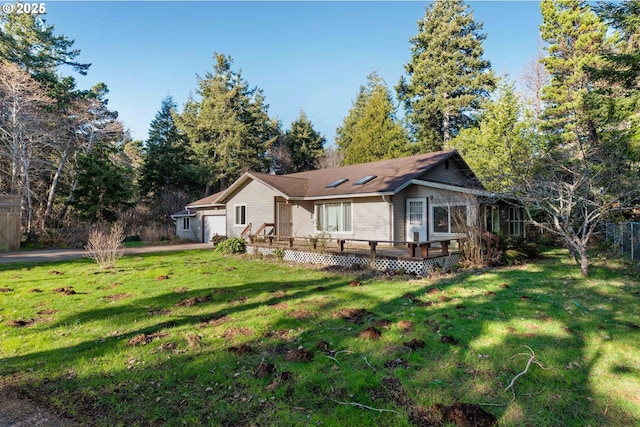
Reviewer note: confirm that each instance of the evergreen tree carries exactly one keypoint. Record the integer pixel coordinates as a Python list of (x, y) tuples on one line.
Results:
[(371, 131), (104, 184), (168, 164), (305, 145), (228, 127), (500, 150), (448, 77)]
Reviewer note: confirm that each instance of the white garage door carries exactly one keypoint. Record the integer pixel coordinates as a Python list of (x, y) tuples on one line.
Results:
[(214, 225)]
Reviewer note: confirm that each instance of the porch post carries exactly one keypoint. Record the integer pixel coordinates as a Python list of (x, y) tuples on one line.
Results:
[(372, 254), (424, 249), (445, 247)]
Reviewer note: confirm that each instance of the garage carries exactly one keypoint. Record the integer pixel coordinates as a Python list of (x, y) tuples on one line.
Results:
[(214, 224)]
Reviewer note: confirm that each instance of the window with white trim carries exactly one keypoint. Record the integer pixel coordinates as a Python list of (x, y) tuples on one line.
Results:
[(186, 224), (240, 215), (449, 219), (333, 217), (514, 221)]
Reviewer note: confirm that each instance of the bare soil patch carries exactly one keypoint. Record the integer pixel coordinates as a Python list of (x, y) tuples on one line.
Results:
[(354, 315), (47, 312), (181, 290), (161, 278), (370, 333), (116, 297), (189, 302), (144, 339), (448, 339), (382, 323), (264, 370), (6, 290), (279, 306), (396, 363), (414, 344), (404, 325), (241, 349), (216, 320), (299, 355), (159, 312), (20, 323), (68, 290), (35, 291), (301, 314)]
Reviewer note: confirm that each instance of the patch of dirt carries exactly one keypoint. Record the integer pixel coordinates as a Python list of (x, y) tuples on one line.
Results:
[(35, 291), (411, 297), (396, 363), (193, 341), (161, 278), (404, 325), (431, 291), (354, 315), (301, 314), (181, 290), (168, 346), (466, 415), (448, 339), (525, 297), (320, 288), (355, 283), (505, 286), (490, 294), (216, 320), (47, 312), (231, 268), (264, 370), (279, 306), (6, 290), (458, 414), (231, 333), (18, 411), (241, 349), (144, 339), (56, 272), (299, 355), (444, 298), (414, 344), (370, 333), (116, 297), (461, 307), (20, 323), (425, 304), (189, 302), (382, 323), (65, 291)]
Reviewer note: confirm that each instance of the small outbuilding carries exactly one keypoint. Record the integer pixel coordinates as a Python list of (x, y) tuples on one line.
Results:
[(9, 223)]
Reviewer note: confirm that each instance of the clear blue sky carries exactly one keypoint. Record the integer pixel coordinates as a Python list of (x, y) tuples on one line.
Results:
[(304, 55)]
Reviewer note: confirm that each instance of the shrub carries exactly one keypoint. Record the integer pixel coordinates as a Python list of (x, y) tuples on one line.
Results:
[(104, 247), (278, 253), (216, 239), (234, 245)]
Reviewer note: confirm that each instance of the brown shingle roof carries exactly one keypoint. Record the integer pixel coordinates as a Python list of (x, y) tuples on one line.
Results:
[(207, 201), (390, 176)]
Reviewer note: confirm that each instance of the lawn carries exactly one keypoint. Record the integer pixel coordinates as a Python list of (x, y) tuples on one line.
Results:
[(196, 338)]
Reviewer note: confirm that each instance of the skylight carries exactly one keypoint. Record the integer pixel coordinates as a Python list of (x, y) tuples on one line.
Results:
[(364, 179), (337, 182)]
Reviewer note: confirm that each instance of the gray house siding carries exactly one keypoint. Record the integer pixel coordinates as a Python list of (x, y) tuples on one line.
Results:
[(303, 219), (447, 173), (259, 201), (371, 218)]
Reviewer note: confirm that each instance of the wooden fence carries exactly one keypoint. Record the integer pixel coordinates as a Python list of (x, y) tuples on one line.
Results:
[(9, 223)]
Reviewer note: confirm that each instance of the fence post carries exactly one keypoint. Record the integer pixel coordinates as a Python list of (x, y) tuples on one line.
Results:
[(372, 254)]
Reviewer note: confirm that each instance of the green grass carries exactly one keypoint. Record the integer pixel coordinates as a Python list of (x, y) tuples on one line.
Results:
[(73, 353)]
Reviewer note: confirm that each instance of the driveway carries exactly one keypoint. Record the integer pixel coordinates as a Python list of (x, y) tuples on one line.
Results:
[(64, 254)]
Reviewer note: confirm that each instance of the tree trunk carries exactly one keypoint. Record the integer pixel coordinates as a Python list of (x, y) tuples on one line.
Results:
[(54, 185), (584, 263)]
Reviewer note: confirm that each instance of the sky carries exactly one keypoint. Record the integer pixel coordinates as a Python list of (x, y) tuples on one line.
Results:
[(310, 56)]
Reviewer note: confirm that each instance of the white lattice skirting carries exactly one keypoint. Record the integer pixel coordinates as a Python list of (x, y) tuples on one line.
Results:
[(421, 267)]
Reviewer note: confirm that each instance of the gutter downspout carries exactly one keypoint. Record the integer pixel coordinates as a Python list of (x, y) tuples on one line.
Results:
[(391, 229)]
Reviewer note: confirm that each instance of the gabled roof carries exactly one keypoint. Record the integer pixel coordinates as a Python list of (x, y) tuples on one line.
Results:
[(390, 176), (208, 201)]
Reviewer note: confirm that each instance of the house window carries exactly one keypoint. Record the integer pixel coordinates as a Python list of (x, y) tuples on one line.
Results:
[(240, 215), (449, 219), (186, 224), (514, 221), (333, 217)]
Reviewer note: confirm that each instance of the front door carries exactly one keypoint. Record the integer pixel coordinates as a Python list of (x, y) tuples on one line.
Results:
[(416, 219), (285, 220)]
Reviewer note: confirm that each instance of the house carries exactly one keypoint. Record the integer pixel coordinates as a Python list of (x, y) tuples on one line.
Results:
[(409, 199), (201, 220)]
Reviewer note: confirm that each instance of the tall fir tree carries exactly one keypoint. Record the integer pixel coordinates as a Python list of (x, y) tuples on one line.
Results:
[(304, 143), (371, 131), (500, 149), (448, 78), (228, 126), (168, 164)]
